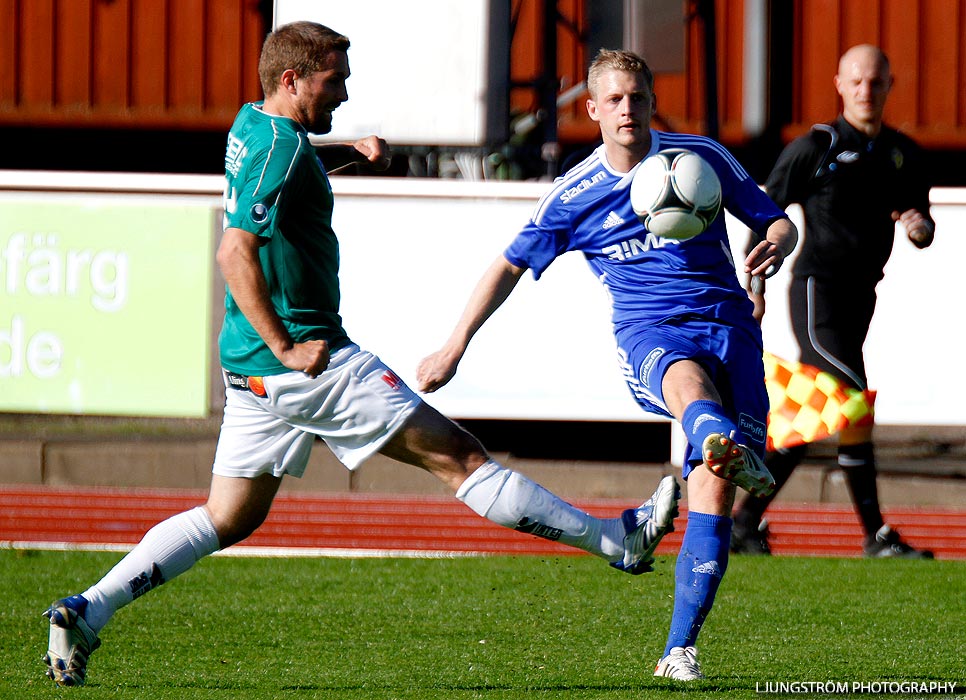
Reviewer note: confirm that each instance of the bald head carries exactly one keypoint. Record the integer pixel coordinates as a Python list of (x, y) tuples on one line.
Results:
[(864, 55), (863, 81)]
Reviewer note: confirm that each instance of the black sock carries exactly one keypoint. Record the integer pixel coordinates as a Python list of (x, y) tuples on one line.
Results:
[(781, 464), (858, 463)]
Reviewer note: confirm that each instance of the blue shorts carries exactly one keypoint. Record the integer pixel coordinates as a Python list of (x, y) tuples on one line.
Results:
[(730, 355)]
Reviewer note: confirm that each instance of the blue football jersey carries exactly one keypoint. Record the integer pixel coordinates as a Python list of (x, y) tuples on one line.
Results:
[(650, 279)]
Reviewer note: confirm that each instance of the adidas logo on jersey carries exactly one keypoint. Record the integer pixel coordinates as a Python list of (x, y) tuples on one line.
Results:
[(612, 220), (709, 567)]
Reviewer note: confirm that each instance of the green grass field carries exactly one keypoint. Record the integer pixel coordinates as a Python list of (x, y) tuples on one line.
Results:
[(494, 628)]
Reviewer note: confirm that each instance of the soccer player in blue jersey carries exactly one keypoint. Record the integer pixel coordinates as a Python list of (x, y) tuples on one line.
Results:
[(688, 343), (293, 374)]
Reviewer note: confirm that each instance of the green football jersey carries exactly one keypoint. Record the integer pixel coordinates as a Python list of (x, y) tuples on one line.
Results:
[(276, 188)]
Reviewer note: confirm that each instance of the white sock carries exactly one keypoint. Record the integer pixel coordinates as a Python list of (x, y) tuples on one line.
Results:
[(512, 500), (167, 550)]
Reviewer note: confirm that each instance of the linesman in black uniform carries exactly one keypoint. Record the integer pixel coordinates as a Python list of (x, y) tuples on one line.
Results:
[(855, 179)]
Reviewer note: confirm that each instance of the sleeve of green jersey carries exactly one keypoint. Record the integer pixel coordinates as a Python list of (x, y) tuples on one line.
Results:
[(254, 198)]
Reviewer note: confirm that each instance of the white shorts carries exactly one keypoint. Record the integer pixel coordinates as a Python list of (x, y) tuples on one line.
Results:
[(356, 405)]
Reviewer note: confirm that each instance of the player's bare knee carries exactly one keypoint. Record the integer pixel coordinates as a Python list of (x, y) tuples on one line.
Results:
[(232, 526), (454, 466)]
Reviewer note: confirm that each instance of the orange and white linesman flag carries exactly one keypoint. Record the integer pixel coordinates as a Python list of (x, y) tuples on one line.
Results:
[(807, 404)]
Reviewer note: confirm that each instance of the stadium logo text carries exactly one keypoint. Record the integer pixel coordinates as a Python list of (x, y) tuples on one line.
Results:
[(584, 184)]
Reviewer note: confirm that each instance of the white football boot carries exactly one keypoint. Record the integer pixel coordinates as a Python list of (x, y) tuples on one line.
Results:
[(71, 641), (738, 464), (681, 664), (646, 525)]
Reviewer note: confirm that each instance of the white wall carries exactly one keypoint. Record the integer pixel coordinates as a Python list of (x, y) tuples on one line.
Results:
[(429, 73), (409, 263), (918, 332), (413, 249), (549, 353)]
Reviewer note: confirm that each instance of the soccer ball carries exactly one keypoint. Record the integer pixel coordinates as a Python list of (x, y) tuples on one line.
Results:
[(676, 194)]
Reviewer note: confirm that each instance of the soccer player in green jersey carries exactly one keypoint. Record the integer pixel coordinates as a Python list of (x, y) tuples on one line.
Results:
[(293, 374)]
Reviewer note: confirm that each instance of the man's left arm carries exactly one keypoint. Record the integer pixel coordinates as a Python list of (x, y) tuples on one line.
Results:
[(919, 228), (912, 208)]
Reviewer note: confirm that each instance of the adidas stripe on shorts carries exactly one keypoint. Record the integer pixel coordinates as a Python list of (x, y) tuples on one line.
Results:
[(356, 405)]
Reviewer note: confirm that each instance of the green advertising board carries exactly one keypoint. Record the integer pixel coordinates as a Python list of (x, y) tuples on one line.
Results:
[(105, 306)]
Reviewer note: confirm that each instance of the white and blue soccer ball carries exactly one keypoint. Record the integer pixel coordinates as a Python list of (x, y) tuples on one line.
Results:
[(675, 194)]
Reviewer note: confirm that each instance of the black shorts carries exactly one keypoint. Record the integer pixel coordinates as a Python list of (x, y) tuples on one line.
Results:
[(831, 321)]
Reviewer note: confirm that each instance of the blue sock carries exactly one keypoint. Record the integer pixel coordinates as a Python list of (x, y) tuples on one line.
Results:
[(701, 564), (701, 418)]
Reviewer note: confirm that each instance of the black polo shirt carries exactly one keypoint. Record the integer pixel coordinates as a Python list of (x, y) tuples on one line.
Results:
[(848, 186)]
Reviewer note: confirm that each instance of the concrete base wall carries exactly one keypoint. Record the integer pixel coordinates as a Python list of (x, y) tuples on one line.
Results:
[(186, 463)]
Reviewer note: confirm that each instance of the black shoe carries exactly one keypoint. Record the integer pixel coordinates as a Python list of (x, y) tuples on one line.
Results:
[(887, 543), (750, 541)]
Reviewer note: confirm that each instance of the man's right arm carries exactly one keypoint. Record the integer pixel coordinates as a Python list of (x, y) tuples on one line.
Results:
[(783, 186), (491, 291), (370, 150), (239, 262)]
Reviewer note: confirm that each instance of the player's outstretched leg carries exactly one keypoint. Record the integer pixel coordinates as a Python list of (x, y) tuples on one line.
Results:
[(510, 499), (646, 525), (71, 641), (738, 464)]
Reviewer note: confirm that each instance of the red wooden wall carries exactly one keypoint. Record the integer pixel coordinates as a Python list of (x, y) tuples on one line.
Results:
[(925, 40), (926, 44), (681, 99), (189, 64), (149, 64)]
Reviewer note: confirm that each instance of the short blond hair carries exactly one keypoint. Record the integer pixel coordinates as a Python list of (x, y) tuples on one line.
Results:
[(627, 61)]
